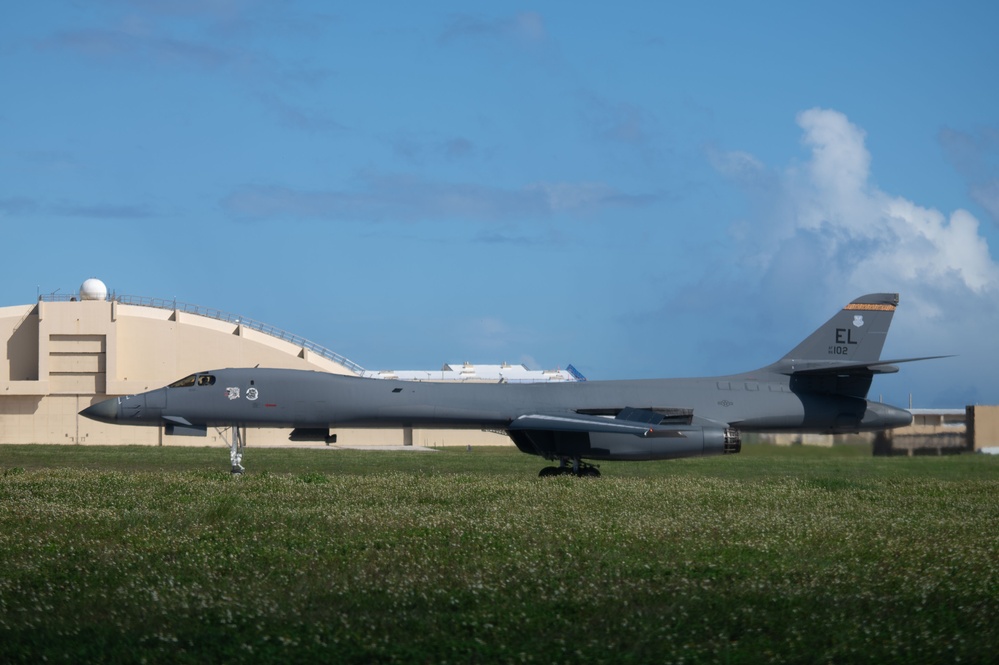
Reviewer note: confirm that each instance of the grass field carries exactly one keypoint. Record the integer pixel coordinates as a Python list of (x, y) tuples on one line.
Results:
[(775, 555)]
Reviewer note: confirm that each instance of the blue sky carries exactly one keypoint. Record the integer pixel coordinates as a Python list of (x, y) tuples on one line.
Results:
[(649, 189)]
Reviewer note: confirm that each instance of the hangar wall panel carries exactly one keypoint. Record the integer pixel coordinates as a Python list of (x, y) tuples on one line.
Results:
[(77, 364), (77, 384), (45, 419), (147, 352), (19, 329), (87, 363), (77, 344), (17, 418)]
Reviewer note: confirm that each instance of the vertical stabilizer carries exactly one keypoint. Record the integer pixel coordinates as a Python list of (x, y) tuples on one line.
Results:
[(843, 355), (855, 334)]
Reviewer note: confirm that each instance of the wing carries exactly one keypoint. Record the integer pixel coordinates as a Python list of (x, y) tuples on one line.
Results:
[(578, 423)]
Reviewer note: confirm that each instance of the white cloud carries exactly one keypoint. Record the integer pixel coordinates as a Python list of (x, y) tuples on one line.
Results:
[(738, 165), (574, 196), (986, 194), (412, 198), (928, 247), (850, 233), (131, 45), (840, 161), (976, 157), (216, 37), (823, 233), (525, 27), (295, 117)]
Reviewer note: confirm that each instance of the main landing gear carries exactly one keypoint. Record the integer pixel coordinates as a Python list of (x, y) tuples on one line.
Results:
[(576, 468)]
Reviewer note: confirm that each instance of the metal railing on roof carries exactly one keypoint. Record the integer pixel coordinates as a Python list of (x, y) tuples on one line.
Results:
[(219, 315)]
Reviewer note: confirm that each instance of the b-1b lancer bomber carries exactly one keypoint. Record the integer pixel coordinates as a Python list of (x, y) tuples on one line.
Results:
[(820, 386)]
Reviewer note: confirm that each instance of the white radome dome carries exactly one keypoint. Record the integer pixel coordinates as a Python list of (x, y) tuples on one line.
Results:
[(93, 289)]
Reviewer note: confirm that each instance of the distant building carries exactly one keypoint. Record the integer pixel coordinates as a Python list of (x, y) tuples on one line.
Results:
[(801, 439), (943, 431), (468, 372), (983, 428), (933, 431)]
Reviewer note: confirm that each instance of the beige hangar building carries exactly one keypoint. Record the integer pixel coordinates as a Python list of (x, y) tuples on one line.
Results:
[(64, 353)]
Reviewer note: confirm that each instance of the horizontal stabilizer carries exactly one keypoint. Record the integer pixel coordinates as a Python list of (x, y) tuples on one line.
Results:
[(841, 368)]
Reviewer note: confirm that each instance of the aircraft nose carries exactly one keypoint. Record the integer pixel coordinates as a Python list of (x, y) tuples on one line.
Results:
[(105, 412)]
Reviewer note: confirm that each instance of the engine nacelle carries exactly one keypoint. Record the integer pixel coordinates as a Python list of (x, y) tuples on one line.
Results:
[(670, 442)]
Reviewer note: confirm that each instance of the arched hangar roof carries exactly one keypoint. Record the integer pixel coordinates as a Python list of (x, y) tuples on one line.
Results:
[(126, 344)]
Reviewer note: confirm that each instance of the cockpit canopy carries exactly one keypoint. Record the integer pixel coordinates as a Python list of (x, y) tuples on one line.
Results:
[(194, 380)]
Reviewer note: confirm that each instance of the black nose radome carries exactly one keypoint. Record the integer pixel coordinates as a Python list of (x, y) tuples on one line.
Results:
[(106, 411)]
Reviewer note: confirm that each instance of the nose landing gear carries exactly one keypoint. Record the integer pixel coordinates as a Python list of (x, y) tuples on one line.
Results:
[(237, 443)]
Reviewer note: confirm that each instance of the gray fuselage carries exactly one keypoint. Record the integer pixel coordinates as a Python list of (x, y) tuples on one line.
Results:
[(307, 399)]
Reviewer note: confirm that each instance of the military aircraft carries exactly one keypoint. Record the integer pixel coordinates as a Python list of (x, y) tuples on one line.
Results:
[(820, 386)]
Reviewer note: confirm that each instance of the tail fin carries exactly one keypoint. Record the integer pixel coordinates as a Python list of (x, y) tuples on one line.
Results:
[(856, 334), (844, 354)]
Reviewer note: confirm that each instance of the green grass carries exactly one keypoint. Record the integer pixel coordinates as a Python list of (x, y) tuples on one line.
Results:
[(775, 555)]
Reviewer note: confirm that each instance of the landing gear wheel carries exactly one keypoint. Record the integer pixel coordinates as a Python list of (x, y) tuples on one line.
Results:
[(576, 468)]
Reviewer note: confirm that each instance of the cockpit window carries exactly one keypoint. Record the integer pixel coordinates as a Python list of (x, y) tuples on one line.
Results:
[(186, 382), (194, 379)]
